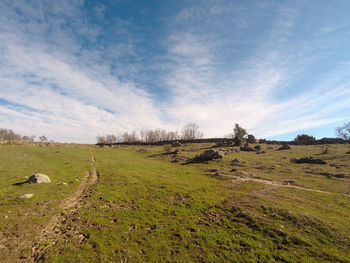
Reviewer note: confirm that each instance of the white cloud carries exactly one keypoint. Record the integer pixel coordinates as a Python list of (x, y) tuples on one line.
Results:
[(58, 86), (216, 95)]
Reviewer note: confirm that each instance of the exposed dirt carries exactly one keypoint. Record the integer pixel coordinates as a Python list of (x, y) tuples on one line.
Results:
[(59, 227), (280, 184)]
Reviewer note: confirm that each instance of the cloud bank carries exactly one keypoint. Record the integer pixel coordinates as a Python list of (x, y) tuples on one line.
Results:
[(72, 71)]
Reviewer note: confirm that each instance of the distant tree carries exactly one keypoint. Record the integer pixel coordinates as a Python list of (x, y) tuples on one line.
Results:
[(251, 138), (304, 138), (130, 137), (239, 131), (110, 138), (101, 139), (43, 138), (191, 131), (239, 134), (9, 135), (343, 131)]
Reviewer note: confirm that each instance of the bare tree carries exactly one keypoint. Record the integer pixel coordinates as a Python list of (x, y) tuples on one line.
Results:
[(43, 138), (191, 131), (343, 131)]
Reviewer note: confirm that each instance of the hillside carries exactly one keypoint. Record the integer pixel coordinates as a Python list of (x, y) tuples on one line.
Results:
[(150, 203)]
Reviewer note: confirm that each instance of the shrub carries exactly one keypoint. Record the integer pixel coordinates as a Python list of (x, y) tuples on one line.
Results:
[(304, 138)]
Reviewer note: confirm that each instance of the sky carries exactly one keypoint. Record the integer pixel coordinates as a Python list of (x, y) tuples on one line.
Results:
[(72, 70)]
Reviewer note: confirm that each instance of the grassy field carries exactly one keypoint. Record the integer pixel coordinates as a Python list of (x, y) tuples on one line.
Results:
[(148, 206)]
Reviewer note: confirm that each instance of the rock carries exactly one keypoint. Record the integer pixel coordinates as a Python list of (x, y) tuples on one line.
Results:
[(285, 147), (211, 154), (308, 160), (175, 144), (26, 196), (289, 182), (257, 147), (206, 156), (39, 178), (247, 148)]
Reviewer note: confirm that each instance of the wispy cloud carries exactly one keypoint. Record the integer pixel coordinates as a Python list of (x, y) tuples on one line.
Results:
[(216, 93), (219, 63)]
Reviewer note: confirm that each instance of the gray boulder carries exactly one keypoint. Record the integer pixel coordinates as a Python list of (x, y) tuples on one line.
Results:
[(26, 196), (285, 147), (39, 178), (211, 154)]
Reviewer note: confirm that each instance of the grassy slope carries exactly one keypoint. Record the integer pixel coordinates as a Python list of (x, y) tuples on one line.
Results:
[(21, 218), (150, 209)]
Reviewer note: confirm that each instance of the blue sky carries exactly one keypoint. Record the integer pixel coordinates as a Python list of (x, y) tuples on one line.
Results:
[(76, 69)]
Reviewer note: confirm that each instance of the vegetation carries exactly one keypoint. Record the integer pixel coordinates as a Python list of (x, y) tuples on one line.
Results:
[(148, 206), (343, 131), (304, 138), (10, 135), (239, 134), (189, 132)]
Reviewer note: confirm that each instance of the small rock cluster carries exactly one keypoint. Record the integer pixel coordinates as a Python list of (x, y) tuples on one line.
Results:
[(207, 155), (308, 160), (175, 144), (285, 147)]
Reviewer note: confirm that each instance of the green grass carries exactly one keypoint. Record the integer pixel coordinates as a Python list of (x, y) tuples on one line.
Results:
[(21, 218), (147, 208)]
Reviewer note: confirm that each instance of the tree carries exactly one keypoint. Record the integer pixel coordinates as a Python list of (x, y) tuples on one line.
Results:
[(191, 132), (9, 135), (239, 134), (239, 131), (43, 138), (304, 138), (343, 131), (251, 138)]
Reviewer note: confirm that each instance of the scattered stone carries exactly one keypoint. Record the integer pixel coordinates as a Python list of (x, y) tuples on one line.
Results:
[(329, 175), (247, 148), (175, 144), (207, 155), (26, 196), (308, 160), (211, 154), (61, 183), (285, 147), (176, 152), (39, 178), (257, 147), (225, 143), (289, 182)]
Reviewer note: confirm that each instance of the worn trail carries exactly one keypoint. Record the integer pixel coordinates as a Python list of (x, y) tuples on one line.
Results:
[(280, 184), (57, 229)]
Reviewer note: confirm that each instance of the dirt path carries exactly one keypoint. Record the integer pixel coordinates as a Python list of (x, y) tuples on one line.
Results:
[(281, 184), (57, 229)]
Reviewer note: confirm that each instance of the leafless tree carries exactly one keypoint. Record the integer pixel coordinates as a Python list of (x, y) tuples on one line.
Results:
[(43, 138), (191, 131), (343, 131)]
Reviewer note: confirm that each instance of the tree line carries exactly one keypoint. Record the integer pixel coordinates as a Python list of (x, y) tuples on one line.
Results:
[(189, 132), (10, 135)]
